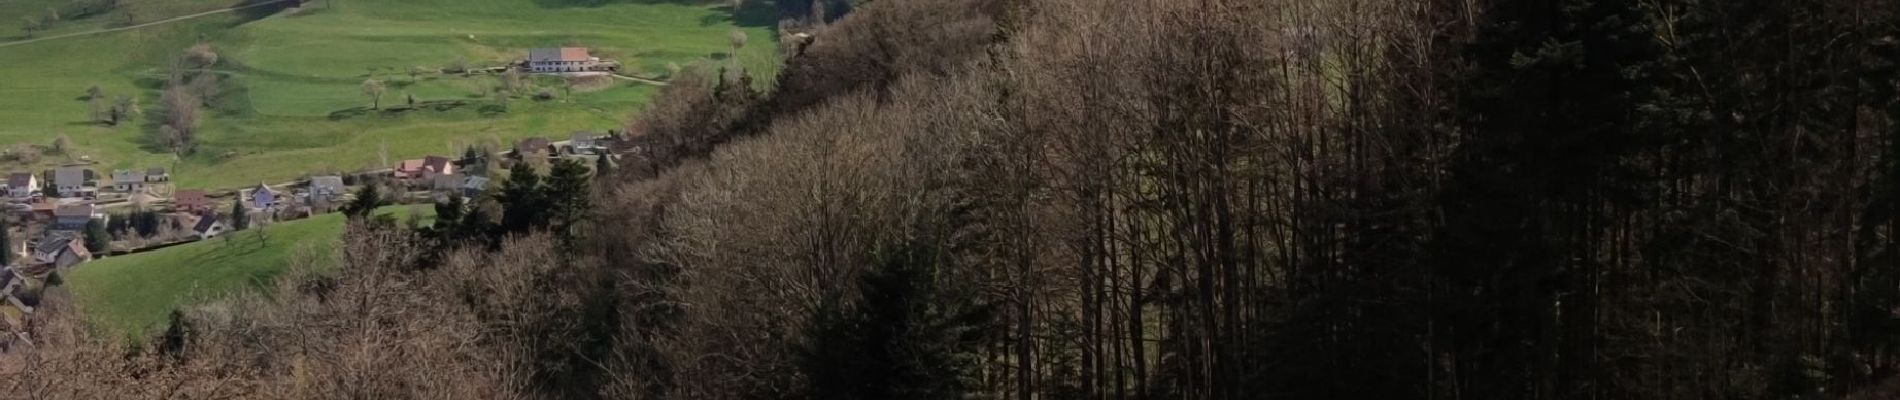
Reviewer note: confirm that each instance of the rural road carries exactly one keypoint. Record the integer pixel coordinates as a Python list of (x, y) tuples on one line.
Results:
[(641, 80), (127, 28)]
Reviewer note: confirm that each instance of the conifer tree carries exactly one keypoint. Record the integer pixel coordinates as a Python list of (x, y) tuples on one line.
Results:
[(240, 215), (524, 204)]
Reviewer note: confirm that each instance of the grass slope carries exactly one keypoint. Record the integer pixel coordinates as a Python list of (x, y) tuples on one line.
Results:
[(287, 73), (133, 293)]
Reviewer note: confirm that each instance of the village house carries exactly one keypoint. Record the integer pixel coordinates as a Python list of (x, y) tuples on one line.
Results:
[(474, 186), (208, 226), (42, 209), (191, 201), (585, 143), (447, 183), (74, 217), (409, 169), (437, 165), (424, 171), (22, 185), (567, 59), (157, 174), (326, 188), (262, 197), (63, 251), (73, 182), (531, 147), (127, 180)]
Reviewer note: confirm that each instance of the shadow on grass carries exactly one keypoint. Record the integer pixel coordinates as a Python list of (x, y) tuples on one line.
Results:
[(753, 14), (260, 9), (396, 110)]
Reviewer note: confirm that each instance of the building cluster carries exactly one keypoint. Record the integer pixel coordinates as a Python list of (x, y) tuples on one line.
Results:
[(53, 211)]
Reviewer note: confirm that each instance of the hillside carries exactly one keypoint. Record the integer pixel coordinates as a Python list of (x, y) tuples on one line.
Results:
[(1144, 199), (285, 74), (129, 294)]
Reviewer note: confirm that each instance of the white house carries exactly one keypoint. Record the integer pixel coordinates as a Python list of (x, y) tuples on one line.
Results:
[(22, 185), (73, 182), (127, 180), (157, 174), (207, 226), (567, 59), (585, 143), (328, 187)]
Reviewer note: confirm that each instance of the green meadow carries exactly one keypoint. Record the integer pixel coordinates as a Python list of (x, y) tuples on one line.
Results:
[(132, 293), (292, 79)]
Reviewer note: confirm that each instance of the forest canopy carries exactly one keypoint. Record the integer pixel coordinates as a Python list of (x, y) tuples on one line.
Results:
[(1094, 199)]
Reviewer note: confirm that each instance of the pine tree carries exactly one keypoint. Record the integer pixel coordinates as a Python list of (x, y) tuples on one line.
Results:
[(240, 215), (448, 214), (98, 240), (1548, 104), (604, 167), (6, 240), (367, 199), (568, 195), (905, 337), (523, 201)]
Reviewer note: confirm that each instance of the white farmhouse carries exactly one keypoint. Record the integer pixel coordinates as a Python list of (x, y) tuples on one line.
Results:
[(567, 59)]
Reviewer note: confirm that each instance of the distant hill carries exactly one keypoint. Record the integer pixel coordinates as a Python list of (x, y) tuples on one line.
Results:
[(290, 98)]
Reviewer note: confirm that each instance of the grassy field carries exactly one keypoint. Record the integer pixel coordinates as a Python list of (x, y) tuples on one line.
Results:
[(134, 292), (286, 74)]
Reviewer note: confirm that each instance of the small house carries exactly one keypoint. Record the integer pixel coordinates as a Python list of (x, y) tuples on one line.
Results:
[(474, 186), (208, 226), (585, 143), (262, 197), (127, 180), (157, 174), (409, 169), (191, 201), (43, 209), (74, 217), (447, 183), (437, 165), (73, 182), (327, 187), (22, 185), (62, 251), (531, 147)]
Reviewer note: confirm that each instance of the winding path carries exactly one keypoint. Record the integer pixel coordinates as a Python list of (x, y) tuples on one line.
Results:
[(127, 28)]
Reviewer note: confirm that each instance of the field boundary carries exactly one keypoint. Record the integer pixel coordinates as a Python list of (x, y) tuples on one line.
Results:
[(144, 25)]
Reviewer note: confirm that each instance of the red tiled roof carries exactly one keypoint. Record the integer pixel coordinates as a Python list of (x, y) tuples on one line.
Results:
[(574, 53), (436, 163), (190, 198), (409, 166)]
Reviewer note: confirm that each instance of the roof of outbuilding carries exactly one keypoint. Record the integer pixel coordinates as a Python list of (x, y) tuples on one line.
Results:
[(69, 176), (74, 210), (558, 54), (53, 244), (329, 181), (437, 163), (190, 198), (20, 179), (127, 175), (205, 222), (532, 144)]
